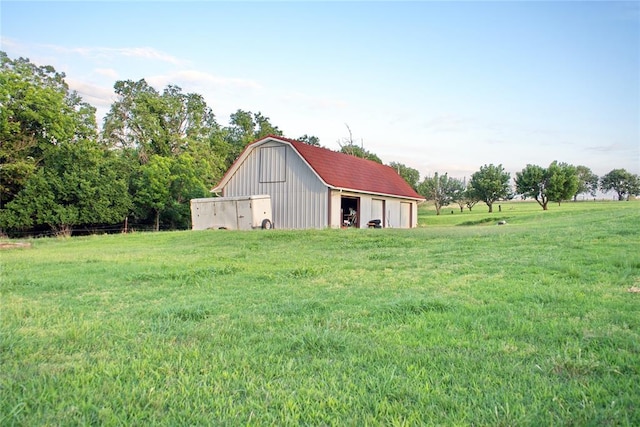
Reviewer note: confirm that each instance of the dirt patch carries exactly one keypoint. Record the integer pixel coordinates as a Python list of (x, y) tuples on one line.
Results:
[(634, 289), (14, 245)]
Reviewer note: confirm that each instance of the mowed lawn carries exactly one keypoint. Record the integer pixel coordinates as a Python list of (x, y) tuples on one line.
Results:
[(459, 322)]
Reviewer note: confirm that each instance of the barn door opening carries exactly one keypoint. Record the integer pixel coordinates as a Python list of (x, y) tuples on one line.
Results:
[(350, 211)]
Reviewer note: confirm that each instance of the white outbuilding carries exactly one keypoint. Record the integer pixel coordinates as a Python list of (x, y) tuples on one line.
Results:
[(313, 187)]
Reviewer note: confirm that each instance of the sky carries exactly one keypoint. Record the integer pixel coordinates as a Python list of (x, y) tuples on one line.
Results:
[(441, 87)]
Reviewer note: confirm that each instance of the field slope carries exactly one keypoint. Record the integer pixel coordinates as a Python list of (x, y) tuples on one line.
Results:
[(460, 322)]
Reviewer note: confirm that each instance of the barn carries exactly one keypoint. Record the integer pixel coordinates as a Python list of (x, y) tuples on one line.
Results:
[(313, 187)]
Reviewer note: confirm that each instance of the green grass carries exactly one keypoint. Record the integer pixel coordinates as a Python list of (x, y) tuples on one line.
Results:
[(459, 322)]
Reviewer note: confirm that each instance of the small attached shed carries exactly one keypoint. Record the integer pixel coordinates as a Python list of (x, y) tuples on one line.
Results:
[(313, 187)]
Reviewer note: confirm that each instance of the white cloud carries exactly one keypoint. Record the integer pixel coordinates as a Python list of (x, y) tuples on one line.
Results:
[(112, 52), (96, 95), (106, 72)]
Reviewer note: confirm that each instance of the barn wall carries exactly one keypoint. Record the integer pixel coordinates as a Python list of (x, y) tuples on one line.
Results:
[(298, 198)]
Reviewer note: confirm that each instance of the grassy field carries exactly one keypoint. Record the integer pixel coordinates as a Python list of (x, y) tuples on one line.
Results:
[(459, 322)]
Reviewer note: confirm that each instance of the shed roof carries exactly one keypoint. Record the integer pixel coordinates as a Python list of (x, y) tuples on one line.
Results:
[(339, 170)]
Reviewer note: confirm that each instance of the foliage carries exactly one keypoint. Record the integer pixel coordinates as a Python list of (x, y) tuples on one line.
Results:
[(244, 128), (152, 123), (310, 139), (490, 184), (529, 324), (624, 183), (440, 190), (587, 182), (38, 113), (165, 185), (556, 183), (78, 185), (411, 175)]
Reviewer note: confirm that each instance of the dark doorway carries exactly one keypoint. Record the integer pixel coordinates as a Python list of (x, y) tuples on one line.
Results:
[(350, 209)]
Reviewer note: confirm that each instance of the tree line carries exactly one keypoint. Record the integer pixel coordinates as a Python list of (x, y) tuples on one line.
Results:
[(156, 150), (557, 183)]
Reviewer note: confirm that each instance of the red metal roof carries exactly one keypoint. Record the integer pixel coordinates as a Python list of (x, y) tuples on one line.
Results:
[(353, 173)]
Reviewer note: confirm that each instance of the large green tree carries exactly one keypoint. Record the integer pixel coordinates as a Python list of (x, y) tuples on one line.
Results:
[(563, 182), (624, 183), (38, 112), (490, 184), (556, 183), (154, 123)]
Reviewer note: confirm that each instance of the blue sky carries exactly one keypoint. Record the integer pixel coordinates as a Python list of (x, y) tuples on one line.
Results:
[(438, 86)]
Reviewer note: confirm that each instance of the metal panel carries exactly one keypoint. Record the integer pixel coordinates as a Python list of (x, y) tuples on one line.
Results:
[(377, 210), (300, 201), (405, 215), (273, 164)]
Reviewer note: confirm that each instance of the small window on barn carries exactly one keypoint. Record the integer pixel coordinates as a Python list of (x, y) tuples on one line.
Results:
[(273, 163)]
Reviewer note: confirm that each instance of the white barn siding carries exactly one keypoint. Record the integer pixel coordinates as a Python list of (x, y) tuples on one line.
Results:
[(397, 212), (298, 197)]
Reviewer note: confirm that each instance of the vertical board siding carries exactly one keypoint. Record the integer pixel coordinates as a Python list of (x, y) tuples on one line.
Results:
[(273, 164), (300, 201)]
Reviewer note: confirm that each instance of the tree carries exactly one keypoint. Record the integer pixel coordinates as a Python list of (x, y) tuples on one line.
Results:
[(624, 183), (349, 146), (563, 182), (310, 139), (411, 175), (244, 128), (556, 183), (532, 181), (38, 112), (587, 182), (153, 123), (439, 189), (152, 188), (490, 184), (458, 192), (163, 188), (79, 184)]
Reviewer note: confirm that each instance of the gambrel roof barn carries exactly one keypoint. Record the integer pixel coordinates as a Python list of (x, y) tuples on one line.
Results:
[(313, 187)]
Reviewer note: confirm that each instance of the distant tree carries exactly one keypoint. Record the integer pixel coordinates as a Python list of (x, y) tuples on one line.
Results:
[(556, 183), (563, 182), (458, 192), (411, 175), (532, 181), (587, 182), (310, 139), (490, 184), (624, 183), (349, 146), (439, 189)]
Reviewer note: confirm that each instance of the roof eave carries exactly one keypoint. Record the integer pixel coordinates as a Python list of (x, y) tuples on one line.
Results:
[(396, 196)]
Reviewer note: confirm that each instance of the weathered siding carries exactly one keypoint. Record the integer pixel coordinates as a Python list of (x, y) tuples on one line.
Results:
[(298, 197)]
